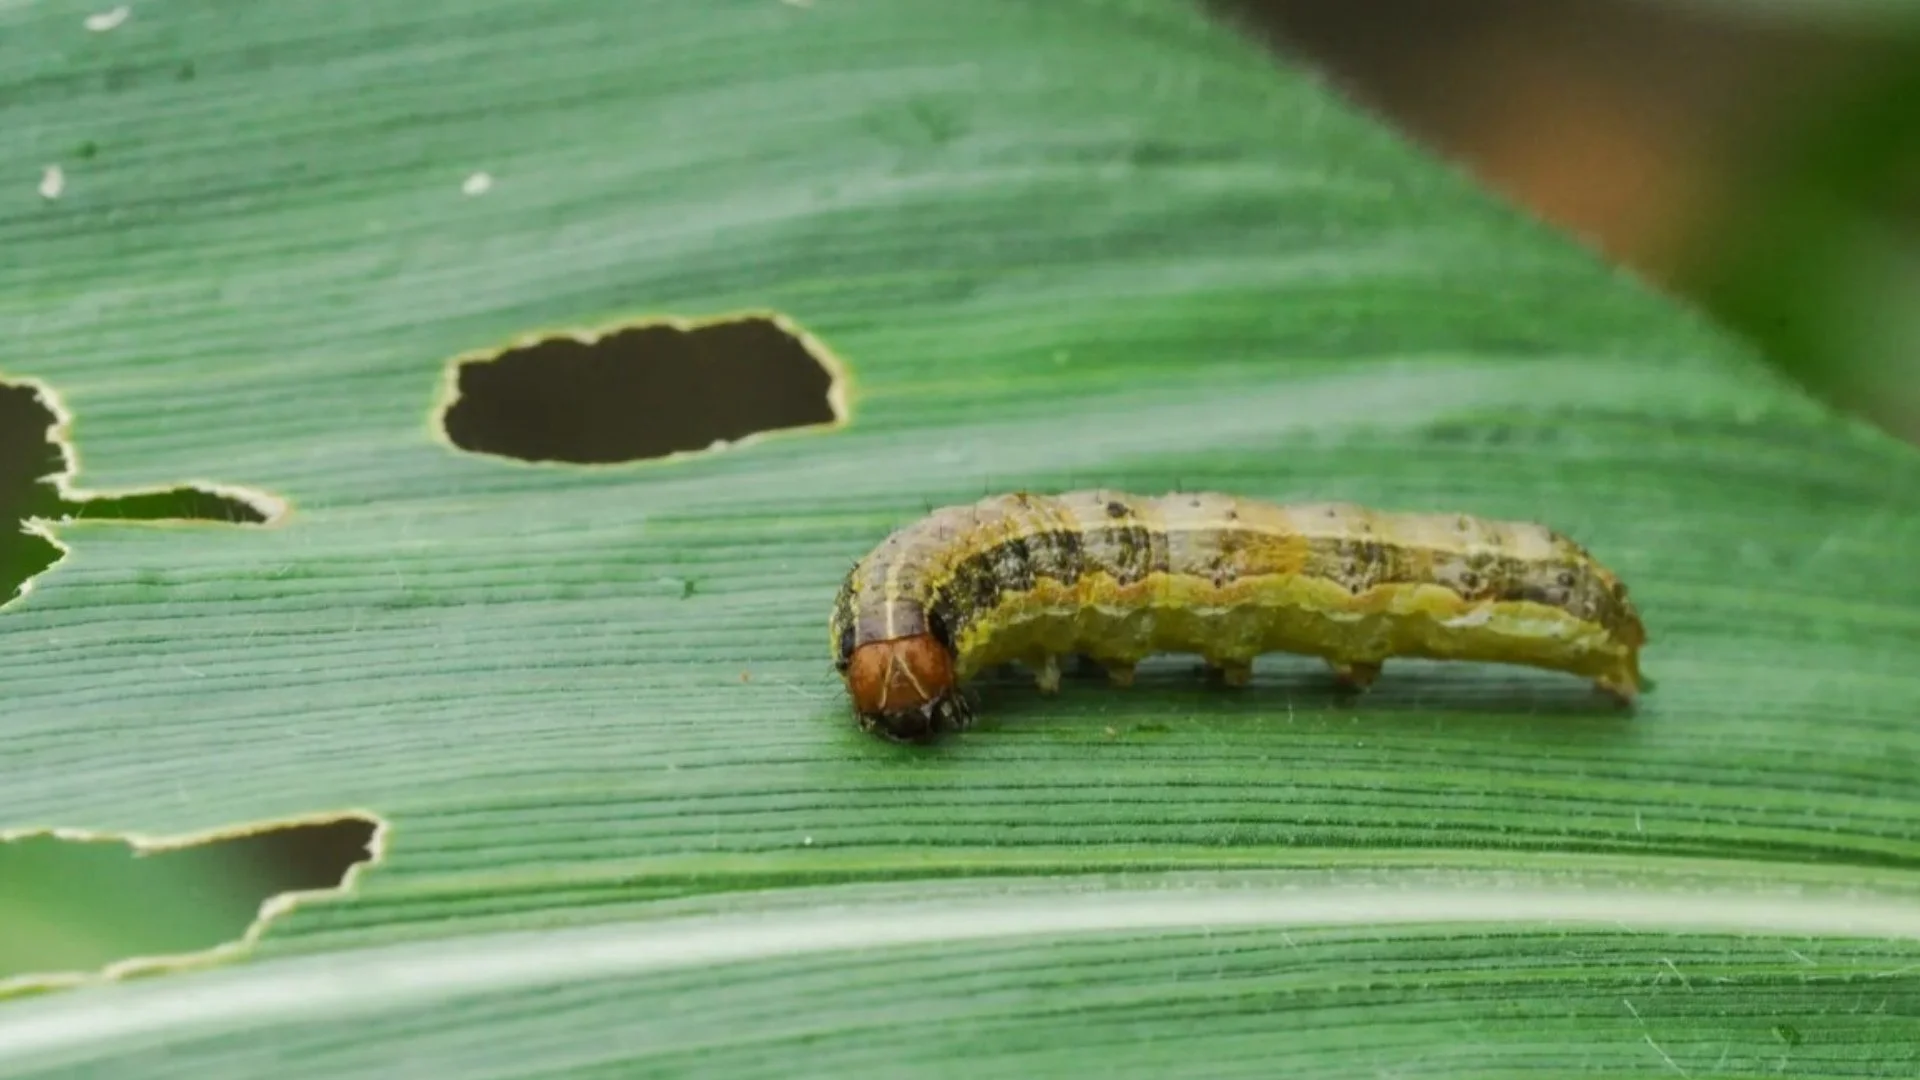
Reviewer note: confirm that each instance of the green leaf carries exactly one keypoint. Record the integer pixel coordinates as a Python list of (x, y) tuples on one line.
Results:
[(1063, 244)]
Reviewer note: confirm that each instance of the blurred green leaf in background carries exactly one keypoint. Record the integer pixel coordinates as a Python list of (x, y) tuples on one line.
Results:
[(1760, 157), (1059, 244)]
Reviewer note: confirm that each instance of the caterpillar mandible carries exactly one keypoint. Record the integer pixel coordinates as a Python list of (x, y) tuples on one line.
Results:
[(1117, 577)]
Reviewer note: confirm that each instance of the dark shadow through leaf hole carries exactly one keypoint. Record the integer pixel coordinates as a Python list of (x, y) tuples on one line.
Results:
[(641, 392), (76, 906), (31, 461)]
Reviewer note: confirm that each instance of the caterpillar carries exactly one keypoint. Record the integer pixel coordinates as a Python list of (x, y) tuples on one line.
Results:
[(1115, 578)]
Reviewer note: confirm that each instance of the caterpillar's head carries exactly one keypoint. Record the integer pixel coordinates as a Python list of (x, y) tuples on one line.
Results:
[(904, 688)]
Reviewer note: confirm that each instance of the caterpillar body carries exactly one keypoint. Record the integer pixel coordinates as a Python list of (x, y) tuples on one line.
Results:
[(1116, 577)]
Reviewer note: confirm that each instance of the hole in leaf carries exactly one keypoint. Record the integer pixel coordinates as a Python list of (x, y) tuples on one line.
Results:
[(28, 463), (172, 504), (77, 905), (643, 391), (36, 466)]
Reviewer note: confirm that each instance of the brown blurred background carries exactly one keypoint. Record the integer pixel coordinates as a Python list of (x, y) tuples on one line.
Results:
[(1760, 158)]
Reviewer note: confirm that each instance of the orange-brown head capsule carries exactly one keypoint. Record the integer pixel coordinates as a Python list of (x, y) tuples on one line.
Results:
[(905, 687)]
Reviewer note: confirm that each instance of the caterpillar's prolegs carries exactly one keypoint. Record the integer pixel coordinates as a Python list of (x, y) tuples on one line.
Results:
[(1046, 672), (1355, 675)]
